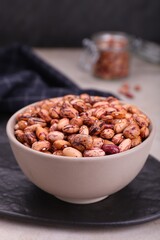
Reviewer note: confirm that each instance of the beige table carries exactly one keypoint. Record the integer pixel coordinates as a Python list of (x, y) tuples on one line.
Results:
[(148, 77)]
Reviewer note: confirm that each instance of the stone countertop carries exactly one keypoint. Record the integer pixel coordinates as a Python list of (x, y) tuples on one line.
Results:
[(142, 73)]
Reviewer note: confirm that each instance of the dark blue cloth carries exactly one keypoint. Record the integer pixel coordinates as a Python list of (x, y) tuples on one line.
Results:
[(25, 78)]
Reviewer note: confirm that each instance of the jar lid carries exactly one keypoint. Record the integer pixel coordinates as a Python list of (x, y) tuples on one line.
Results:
[(110, 40)]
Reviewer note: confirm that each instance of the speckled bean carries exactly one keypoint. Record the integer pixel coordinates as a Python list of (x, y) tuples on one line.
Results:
[(84, 130), (144, 132), (60, 144), (62, 123), (55, 135), (70, 128), (120, 125), (107, 133), (71, 152), (125, 145), (136, 141), (42, 146), (82, 142), (132, 131), (97, 142), (118, 138), (68, 112), (96, 152), (41, 133)]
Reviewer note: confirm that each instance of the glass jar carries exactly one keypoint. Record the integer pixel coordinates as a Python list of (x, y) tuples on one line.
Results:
[(109, 55)]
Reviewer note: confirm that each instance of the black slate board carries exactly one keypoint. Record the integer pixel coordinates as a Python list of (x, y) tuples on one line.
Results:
[(139, 202)]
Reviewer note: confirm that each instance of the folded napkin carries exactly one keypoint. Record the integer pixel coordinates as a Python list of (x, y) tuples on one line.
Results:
[(25, 78)]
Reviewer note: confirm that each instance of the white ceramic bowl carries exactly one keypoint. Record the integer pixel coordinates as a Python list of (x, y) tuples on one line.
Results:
[(79, 180)]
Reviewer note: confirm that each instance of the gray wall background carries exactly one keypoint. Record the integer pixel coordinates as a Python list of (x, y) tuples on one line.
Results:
[(64, 23)]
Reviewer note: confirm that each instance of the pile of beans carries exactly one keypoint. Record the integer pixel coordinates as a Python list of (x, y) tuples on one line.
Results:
[(111, 64), (81, 126), (113, 57)]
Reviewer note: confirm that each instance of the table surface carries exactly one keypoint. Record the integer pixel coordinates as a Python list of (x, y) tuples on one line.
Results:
[(142, 73)]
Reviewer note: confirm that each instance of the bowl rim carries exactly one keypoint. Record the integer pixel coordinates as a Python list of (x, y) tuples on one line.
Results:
[(12, 138)]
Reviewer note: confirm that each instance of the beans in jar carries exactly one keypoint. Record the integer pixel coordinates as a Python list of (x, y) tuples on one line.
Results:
[(113, 56)]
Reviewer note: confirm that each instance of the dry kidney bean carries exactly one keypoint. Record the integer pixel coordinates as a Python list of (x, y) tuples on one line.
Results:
[(97, 142), (41, 146), (136, 141), (144, 132), (41, 133), (70, 128), (82, 142), (131, 131), (60, 144), (55, 135), (125, 145), (71, 152), (110, 149), (81, 126), (84, 130), (19, 135), (95, 152), (62, 123), (107, 133), (118, 138)]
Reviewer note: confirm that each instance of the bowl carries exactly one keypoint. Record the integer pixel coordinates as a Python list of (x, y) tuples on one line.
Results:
[(82, 179)]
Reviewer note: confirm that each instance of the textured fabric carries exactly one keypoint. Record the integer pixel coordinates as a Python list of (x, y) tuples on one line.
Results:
[(25, 78)]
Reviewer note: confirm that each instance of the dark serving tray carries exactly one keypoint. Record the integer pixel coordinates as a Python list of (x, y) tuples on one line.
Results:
[(139, 202)]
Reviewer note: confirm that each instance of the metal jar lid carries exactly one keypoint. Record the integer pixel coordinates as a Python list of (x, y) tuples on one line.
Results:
[(110, 40)]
